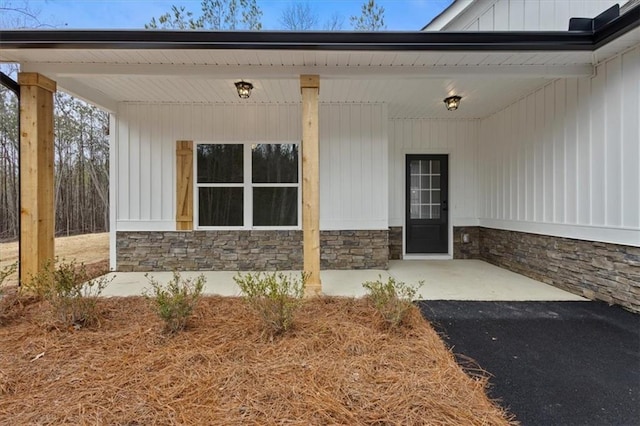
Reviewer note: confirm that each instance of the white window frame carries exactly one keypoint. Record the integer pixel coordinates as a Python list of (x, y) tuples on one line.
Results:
[(247, 185)]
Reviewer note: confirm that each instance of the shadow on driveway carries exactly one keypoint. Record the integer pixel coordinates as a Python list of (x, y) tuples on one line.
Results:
[(552, 363)]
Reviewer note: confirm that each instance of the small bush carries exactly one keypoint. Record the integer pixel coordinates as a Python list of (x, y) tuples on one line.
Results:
[(393, 299), (5, 272), (4, 303), (275, 297), (175, 301), (70, 291)]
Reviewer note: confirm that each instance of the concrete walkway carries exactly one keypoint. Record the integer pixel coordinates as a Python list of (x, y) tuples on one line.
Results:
[(443, 280)]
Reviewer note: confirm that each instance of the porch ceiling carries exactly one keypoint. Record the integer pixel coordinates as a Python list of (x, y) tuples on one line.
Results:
[(413, 84)]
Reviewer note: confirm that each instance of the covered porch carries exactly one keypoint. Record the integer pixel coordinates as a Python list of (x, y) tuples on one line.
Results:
[(443, 280), (524, 153)]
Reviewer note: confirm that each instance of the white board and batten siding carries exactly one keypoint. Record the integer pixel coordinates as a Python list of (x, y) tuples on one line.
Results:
[(564, 160), (526, 15), (353, 156), (456, 138)]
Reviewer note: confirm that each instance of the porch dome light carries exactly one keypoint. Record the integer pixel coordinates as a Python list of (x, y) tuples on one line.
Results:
[(244, 89), (452, 102)]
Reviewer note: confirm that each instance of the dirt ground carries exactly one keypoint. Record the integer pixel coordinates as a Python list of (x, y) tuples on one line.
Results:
[(339, 365), (87, 248)]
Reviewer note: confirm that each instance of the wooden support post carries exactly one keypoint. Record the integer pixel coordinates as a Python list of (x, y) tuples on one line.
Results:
[(37, 212), (310, 88)]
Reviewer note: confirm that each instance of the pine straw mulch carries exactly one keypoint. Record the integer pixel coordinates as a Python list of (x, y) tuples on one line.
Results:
[(339, 365)]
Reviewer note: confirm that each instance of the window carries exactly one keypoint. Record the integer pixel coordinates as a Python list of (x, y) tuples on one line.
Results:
[(247, 185)]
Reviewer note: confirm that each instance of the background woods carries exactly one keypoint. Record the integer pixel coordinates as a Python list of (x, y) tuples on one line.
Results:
[(81, 166)]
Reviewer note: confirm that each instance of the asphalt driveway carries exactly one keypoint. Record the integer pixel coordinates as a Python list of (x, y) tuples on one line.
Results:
[(552, 363)]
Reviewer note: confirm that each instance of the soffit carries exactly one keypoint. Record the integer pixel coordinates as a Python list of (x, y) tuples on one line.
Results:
[(413, 84)]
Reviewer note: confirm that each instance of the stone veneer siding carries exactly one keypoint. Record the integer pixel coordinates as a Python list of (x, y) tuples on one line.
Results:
[(602, 271), (395, 243), (247, 250), (470, 250)]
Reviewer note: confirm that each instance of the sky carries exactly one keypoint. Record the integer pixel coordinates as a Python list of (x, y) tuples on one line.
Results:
[(400, 15)]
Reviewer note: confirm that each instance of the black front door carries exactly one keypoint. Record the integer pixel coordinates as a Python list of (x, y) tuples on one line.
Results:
[(426, 227)]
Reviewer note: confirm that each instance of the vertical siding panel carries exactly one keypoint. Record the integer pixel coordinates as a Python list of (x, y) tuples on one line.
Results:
[(134, 163), (146, 124), (486, 21), (501, 16), (547, 15), (345, 119), (571, 190), (471, 145), (613, 143), (584, 151), (598, 148), (355, 179), (367, 145), (327, 167), (516, 15), (539, 142), (630, 139), (559, 167), (530, 160), (531, 14), (511, 150), (521, 190), (500, 178), (123, 179), (168, 164), (562, 14), (514, 142), (156, 164), (494, 148), (549, 100), (393, 164)]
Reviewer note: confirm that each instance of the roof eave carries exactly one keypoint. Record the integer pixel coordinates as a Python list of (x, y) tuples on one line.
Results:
[(334, 41)]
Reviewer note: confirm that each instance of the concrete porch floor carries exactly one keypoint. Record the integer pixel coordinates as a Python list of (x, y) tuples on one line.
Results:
[(443, 280)]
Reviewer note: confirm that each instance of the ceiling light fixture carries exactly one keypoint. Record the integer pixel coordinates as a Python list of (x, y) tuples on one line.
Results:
[(452, 102), (244, 89)]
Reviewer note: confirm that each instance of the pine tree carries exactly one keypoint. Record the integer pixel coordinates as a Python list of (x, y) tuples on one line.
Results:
[(370, 19)]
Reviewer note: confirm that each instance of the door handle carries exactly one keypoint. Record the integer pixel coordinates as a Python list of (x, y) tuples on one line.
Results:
[(444, 205)]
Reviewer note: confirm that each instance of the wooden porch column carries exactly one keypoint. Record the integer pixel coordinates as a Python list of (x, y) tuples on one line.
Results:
[(310, 88), (36, 173)]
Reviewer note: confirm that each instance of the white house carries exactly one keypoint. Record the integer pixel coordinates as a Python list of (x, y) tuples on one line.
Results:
[(536, 170)]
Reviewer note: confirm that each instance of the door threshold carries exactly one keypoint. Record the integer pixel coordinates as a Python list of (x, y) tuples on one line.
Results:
[(438, 256)]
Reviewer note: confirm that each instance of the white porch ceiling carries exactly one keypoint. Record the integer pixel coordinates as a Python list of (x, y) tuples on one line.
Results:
[(413, 84)]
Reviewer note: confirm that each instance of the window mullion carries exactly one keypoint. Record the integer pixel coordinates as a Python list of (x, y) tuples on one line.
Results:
[(248, 189)]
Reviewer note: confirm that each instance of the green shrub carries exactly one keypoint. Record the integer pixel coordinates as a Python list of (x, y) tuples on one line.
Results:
[(175, 301), (393, 299), (69, 290), (274, 297), (4, 273)]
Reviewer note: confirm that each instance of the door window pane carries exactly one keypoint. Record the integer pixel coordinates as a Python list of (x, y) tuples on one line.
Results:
[(425, 189), (275, 206), (274, 163), (220, 206), (220, 163)]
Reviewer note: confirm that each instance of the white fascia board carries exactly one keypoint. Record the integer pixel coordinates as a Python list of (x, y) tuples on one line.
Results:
[(66, 72)]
